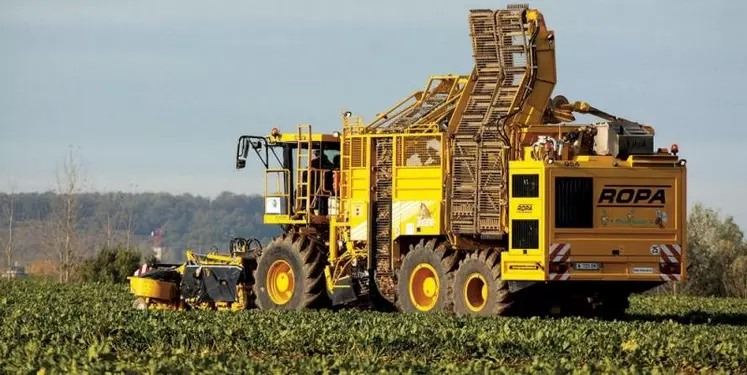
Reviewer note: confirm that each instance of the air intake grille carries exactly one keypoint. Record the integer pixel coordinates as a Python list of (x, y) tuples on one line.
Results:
[(574, 202), (525, 186), (358, 152), (525, 234)]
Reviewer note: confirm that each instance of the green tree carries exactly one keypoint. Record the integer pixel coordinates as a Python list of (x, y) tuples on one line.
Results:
[(717, 255), (110, 265)]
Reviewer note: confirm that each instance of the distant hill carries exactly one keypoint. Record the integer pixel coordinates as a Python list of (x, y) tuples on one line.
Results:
[(188, 222)]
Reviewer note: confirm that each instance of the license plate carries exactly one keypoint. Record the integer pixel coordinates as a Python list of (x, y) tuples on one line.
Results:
[(587, 266)]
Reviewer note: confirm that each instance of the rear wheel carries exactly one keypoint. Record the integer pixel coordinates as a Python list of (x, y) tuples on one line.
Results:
[(425, 278), (612, 306), (478, 286), (290, 274)]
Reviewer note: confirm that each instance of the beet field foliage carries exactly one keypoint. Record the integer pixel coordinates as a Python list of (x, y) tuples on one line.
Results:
[(91, 328)]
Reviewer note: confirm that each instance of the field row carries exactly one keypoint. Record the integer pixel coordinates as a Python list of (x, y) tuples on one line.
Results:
[(71, 328)]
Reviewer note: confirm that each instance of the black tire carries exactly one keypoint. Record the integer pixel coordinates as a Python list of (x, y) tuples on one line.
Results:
[(442, 261), (250, 266), (613, 306), (306, 260), (478, 269)]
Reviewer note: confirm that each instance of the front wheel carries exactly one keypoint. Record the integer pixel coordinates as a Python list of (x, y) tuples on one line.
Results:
[(290, 274)]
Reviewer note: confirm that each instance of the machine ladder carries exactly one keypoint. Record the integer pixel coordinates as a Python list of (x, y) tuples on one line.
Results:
[(303, 172)]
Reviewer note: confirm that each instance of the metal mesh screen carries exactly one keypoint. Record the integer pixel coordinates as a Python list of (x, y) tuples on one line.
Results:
[(419, 151), (358, 152)]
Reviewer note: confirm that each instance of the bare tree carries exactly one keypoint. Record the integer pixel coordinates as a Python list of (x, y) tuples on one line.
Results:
[(112, 217), (9, 211), (129, 226), (66, 215), (130, 213)]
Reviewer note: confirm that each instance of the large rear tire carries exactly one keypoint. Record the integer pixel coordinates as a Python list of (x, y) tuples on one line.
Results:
[(479, 289), (290, 274), (425, 278), (612, 306)]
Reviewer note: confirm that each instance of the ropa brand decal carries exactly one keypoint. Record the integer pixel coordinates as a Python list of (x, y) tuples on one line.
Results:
[(633, 195)]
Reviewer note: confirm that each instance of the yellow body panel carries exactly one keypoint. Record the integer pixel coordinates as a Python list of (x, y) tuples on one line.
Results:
[(526, 263), (636, 211), (151, 288), (417, 185), (294, 138), (360, 199), (281, 219), (416, 201), (530, 267)]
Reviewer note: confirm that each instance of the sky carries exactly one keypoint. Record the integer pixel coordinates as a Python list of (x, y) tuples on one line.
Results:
[(152, 95)]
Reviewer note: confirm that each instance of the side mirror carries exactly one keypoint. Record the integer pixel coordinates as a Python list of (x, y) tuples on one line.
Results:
[(245, 148), (241, 153)]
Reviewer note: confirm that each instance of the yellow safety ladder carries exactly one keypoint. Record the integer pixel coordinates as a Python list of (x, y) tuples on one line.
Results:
[(303, 166)]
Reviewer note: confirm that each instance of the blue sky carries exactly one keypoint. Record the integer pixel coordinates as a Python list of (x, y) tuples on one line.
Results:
[(155, 93)]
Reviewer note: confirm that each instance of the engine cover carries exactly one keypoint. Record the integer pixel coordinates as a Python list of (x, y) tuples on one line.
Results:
[(622, 138)]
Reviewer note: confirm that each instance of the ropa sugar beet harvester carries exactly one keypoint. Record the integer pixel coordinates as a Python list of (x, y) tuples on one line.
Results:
[(476, 195)]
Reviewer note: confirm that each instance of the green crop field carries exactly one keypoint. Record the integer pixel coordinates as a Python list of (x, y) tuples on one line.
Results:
[(52, 328)]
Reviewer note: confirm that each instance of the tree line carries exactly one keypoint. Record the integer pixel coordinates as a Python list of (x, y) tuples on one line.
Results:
[(52, 232)]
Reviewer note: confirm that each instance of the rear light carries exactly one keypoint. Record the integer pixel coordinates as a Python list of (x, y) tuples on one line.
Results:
[(675, 149), (558, 268), (670, 268)]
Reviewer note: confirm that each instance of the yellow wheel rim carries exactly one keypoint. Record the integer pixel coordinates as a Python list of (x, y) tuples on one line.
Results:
[(280, 282), (475, 292), (424, 287)]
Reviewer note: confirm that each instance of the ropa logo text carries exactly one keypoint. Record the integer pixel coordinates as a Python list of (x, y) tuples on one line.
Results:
[(632, 195)]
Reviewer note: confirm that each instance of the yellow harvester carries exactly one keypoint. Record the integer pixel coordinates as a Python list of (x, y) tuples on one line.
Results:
[(475, 196)]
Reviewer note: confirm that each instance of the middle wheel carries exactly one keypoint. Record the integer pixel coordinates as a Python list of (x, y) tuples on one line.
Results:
[(425, 278), (478, 286)]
